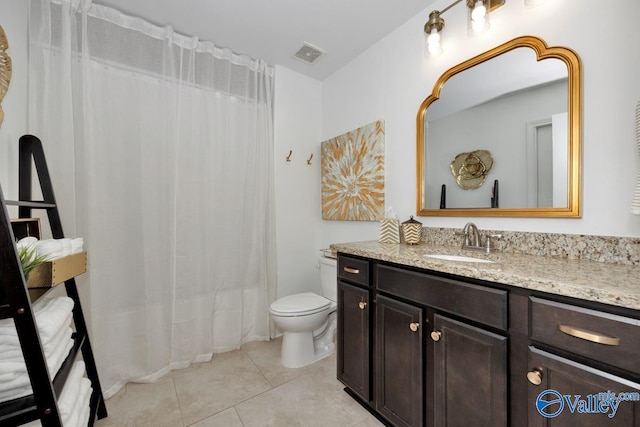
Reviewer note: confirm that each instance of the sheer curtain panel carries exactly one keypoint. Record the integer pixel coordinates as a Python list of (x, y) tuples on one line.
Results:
[(161, 150)]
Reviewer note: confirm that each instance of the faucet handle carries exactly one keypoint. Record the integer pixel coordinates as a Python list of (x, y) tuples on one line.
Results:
[(490, 241)]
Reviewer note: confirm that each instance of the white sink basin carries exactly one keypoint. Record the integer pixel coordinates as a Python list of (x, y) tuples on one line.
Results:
[(460, 258)]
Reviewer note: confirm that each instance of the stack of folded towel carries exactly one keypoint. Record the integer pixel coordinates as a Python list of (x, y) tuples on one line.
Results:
[(53, 319), (52, 248), (73, 404)]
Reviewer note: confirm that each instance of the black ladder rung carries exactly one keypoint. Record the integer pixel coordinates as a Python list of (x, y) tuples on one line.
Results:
[(5, 311), (18, 411), (36, 204)]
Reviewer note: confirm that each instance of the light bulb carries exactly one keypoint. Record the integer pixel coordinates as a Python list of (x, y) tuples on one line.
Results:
[(479, 25), (434, 37), (479, 11), (433, 42), (478, 21)]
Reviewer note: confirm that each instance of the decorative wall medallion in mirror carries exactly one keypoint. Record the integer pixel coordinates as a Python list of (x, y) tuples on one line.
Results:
[(5, 69), (521, 102)]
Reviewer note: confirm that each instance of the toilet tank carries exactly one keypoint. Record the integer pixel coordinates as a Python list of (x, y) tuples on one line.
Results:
[(328, 277)]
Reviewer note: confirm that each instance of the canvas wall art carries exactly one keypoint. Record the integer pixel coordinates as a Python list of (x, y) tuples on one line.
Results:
[(352, 167)]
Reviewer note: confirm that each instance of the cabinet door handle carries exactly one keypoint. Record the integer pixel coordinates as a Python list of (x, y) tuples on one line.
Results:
[(535, 376), (414, 326), (351, 270), (588, 335), (436, 335), (362, 305)]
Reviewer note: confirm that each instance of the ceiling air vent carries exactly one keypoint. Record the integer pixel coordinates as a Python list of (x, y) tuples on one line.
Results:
[(309, 53)]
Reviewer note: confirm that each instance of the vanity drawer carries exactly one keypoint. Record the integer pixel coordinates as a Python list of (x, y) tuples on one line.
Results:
[(353, 270), (597, 335), (479, 303)]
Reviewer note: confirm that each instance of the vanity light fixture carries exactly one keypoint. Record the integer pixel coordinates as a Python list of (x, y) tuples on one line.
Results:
[(478, 16), (432, 30), (478, 22)]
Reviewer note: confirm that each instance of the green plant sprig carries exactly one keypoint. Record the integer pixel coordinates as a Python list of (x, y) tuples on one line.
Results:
[(29, 259)]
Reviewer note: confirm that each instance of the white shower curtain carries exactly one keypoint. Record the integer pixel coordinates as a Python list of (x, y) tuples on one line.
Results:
[(160, 148)]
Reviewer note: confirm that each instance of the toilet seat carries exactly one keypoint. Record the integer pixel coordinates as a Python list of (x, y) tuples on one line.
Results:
[(299, 305)]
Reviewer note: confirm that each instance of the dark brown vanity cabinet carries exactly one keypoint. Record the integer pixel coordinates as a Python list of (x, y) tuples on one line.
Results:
[(470, 375), (354, 326), (399, 355), (421, 348), (569, 394), (591, 355), (439, 358), (354, 339)]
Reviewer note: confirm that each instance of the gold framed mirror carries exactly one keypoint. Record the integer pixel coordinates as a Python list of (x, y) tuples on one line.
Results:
[(521, 102)]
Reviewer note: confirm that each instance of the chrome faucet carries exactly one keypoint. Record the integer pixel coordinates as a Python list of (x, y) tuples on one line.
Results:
[(473, 240)]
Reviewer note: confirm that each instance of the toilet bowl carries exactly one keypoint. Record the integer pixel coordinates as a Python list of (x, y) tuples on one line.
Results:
[(308, 320)]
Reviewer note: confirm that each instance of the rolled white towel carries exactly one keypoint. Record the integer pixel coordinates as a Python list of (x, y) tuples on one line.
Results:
[(73, 418), (61, 337), (73, 392), (52, 315), (13, 353), (70, 391), (15, 393), (51, 248), (59, 355), (85, 409), (77, 245), (14, 380)]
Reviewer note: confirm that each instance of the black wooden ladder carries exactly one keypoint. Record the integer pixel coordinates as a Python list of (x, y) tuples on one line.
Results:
[(15, 303)]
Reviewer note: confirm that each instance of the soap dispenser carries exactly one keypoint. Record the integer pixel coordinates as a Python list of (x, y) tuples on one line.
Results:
[(412, 231)]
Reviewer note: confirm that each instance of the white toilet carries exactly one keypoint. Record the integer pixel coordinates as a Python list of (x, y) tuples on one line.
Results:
[(308, 320)]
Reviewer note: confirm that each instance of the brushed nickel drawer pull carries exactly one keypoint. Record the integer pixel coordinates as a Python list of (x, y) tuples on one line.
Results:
[(362, 305), (588, 335), (414, 326), (352, 270)]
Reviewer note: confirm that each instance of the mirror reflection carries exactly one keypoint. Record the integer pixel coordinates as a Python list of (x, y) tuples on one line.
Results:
[(500, 135)]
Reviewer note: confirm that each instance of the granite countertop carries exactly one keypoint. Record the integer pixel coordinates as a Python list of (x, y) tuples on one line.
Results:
[(607, 283)]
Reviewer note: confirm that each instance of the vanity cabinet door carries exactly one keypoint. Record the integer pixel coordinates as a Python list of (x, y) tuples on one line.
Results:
[(354, 351), (399, 362), (568, 393), (470, 375)]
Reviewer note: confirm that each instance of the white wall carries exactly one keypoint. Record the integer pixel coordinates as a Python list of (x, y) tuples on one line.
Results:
[(297, 127), (390, 80), (13, 19)]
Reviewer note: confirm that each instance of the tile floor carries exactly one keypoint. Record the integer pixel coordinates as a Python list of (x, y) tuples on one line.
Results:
[(244, 388)]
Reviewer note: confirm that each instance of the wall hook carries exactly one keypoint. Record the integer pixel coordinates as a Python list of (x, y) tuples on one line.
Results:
[(309, 159), (289, 156)]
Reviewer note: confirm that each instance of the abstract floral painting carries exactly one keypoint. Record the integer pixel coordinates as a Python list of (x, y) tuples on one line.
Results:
[(353, 175)]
